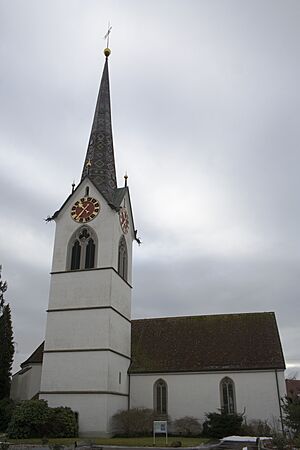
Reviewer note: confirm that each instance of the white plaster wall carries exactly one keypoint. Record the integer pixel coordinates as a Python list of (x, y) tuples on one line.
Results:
[(106, 225), (94, 410), (83, 371), (116, 366), (88, 329), (26, 385), (80, 371), (90, 288), (75, 371), (196, 394)]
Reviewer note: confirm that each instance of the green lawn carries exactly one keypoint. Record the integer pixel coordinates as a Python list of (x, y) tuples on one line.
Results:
[(132, 442)]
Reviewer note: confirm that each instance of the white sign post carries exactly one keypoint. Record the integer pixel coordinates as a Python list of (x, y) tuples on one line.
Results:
[(160, 427)]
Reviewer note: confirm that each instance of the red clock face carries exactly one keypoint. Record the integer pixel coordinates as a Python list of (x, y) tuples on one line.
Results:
[(85, 209), (124, 220)]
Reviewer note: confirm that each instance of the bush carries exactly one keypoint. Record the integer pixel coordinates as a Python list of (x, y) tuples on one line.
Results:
[(186, 426), (63, 422), (34, 419), (296, 442), (30, 419), (279, 441), (6, 409), (219, 425), (291, 409), (256, 428), (133, 422)]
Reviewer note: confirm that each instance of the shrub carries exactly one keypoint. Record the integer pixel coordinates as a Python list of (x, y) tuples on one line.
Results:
[(186, 426), (279, 441), (133, 422), (256, 428), (291, 409), (6, 409), (63, 422), (30, 419), (34, 419), (296, 442), (219, 425)]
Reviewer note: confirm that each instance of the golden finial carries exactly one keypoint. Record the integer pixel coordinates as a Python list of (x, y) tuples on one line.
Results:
[(107, 51), (125, 178)]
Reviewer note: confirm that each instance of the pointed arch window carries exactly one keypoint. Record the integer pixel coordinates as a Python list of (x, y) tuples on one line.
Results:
[(90, 254), (75, 257), (160, 395), (123, 259), (227, 392), (82, 249)]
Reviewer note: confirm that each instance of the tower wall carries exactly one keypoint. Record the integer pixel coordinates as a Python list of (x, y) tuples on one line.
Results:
[(88, 333), (106, 225), (95, 410)]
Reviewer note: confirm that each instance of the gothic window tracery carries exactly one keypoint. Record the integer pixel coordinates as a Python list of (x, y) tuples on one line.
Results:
[(227, 396), (123, 258), (82, 249)]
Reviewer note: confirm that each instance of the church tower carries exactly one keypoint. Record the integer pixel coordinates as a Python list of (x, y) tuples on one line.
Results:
[(88, 333)]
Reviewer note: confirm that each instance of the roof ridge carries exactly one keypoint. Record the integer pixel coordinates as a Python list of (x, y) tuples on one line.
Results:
[(205, 315)]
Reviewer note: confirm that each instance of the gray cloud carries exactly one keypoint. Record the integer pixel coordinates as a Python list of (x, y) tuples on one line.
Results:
[(205, 104)]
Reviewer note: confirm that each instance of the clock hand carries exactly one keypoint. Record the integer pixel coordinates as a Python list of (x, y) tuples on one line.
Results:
[(82, 211)]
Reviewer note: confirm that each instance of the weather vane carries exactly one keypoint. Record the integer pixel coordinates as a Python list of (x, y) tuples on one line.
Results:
[(109, 27)]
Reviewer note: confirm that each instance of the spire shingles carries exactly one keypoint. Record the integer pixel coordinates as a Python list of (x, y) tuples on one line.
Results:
[(100, 163)]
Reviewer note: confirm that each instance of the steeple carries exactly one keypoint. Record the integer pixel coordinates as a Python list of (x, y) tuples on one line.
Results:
[(99, 162)]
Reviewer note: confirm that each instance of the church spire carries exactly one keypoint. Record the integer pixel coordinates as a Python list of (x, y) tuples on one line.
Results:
[(99, 163)]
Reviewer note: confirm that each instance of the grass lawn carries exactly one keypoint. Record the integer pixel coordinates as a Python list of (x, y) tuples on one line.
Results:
[(132, 442)]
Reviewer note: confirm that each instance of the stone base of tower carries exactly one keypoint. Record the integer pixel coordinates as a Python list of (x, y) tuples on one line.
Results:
[(95, 410)]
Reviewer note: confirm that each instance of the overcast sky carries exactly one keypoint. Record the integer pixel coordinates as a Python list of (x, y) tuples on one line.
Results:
[(205, 105)]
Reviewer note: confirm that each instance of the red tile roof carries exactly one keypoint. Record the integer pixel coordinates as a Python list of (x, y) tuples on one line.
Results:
[(246, 341), (206, 343), (293, 388)]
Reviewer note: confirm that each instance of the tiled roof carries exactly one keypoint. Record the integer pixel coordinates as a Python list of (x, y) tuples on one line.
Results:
[(118, 196), (99, 162), (206, 343), (246, 341), (293, 388), (36, 357)]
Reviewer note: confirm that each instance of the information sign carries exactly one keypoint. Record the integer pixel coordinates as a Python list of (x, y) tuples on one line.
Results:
[(160, 427)]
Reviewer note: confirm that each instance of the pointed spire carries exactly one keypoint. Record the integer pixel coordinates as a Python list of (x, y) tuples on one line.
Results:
[(99, 162)]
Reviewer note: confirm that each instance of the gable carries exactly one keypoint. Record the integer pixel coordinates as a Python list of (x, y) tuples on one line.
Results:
[(206, 343)]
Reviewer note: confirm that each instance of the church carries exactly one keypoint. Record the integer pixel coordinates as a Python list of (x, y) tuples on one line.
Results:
[(97, 360)]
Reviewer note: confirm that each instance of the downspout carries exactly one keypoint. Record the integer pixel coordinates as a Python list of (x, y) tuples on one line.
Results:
[(128, 405), (279, 401)]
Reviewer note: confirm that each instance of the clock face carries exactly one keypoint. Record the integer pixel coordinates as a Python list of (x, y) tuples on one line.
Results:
[(85, 209), (124, 220)]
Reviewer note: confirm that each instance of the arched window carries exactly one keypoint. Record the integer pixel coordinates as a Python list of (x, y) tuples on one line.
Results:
[(75, 257), (227, 396), (123, 258), (82, 249), (160, 397), (90, 254)]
